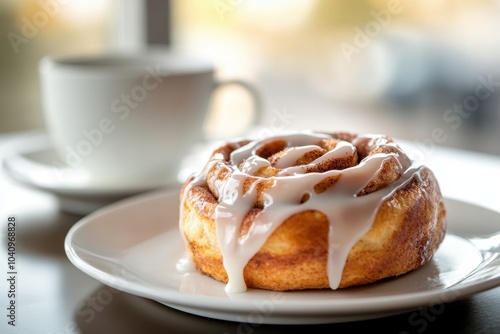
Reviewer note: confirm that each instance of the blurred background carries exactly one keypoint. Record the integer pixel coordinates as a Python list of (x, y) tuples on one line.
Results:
[(426, 71)]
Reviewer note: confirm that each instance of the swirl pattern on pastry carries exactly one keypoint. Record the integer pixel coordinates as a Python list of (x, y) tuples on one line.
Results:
[(323, 210)]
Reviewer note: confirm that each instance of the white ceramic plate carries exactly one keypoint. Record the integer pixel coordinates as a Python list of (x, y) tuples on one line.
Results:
[(134, 245)]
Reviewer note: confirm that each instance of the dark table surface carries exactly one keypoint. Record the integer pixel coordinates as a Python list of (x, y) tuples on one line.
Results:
[(53, 296)]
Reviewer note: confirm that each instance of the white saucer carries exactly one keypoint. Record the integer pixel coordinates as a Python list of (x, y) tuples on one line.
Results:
[(31, 162), (134, 246)]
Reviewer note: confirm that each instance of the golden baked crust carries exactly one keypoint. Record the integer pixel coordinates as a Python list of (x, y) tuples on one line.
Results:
[(407, 230)]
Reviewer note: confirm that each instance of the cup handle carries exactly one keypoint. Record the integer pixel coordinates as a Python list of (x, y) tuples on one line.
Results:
[(254, 94)]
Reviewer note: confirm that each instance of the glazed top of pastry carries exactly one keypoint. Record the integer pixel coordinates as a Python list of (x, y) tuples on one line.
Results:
[(345, 176)]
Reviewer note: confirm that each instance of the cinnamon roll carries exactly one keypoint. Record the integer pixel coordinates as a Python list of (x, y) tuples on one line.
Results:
[(310, 210)]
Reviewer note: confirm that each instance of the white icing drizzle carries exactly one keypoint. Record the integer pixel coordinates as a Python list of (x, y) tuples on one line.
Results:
[(253, 164), (350, 216), (185, 265), (291, 155), (341, 150)]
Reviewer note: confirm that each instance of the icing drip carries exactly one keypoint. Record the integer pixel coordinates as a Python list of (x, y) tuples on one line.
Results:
[(350, 216)]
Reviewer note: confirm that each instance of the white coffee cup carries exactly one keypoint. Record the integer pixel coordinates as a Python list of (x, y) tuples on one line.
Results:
[(123, 117)]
